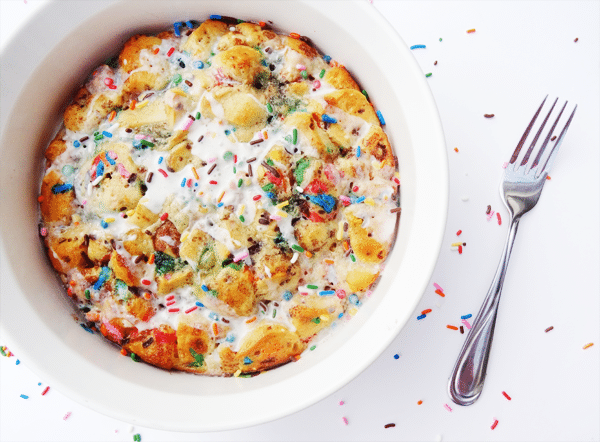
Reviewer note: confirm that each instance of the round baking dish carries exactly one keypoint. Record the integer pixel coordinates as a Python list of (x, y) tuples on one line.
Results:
[(36, 319)]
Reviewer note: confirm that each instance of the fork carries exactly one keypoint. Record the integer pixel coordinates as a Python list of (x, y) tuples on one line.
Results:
[(520, 190)]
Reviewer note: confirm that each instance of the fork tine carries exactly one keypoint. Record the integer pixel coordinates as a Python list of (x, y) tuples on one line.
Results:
[(524, 137), (537, 135), (547, 140), (554, 150)]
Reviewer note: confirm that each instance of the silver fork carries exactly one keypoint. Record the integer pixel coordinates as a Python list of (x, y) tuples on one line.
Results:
[(521, 187)]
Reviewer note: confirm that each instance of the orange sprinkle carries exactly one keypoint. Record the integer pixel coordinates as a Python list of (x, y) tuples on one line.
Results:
[(221, 197), (346, 245), (456, 149), (215, 329), (147, 295), (588, 345), (70, 291), (92, 316), (112, 115), (424, 312), (72, 283), (470, 31), (439, 292), (252, 319), (329, 261), (195, 173), (308, 254), (262, 24), (452, 327), (151, 260), (40, 198), (297, 357), (419, 403), (266, 135), (132, 105), (548, 177), (124, 352), (294, 35), (156, 50)]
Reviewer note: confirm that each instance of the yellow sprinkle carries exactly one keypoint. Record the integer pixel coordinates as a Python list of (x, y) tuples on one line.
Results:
[(369, 201), (340, 232), (283, 204), (195, 173), (308, 254), (588, 345), (221, 197), (141, 105), (353, 311), (237, 373), (282, 214), (110, 220), (178, 92), (130, 212), (456, 244), (184, 236), (242, 208), (324, 317), (266, 135)]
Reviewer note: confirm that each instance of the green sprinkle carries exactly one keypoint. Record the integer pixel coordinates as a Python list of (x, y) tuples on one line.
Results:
[(87, 294), (297, 248), (322, 73), (313, 347), (274, 312), (227, 155), (240, 182), (199, 359), (177, 79), (270, 162), (440, 38), (270, 108), (147, 143), (304, 74), (2, 351), (137, 437), (295, 135), (365, 94), (316, 320), (353, 258), (135, 357), (428, 75), (268, 187), (242, 219), (198, 115), (301, 166), (312, 286)]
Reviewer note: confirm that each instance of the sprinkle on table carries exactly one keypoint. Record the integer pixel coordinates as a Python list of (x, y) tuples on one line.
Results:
[(429, 74), (489, 115), (470, 31), (389, 425), (67, 415), (506, 395), (447, 407), (419, 402), (495, 424), (549, 329), (45, 391), (452, 327), (24, 396), (586, 346), (418, 47), (345, 420)]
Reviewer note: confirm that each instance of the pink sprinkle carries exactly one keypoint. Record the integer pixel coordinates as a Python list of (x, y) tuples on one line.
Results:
[(345, 200), (173, 310), (43, 231), (300, 67), (464, 321), (140, 136), (212, 160), (163, 173), (489, 215), (84, 202), (122, 171), (499, 219), (67, 416), (438, 287), (342, 402), (189, 310), (340, 293), (316, 84), (168, 276), (345, 420), (505, 165), (447, 407), (275, 217), (242, 255), (188, 123), (189, 182), (112, 154)]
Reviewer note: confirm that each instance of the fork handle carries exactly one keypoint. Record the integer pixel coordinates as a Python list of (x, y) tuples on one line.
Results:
[(468, 375)]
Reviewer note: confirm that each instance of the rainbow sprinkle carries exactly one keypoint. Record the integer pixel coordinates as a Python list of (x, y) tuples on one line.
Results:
[(418, 47)]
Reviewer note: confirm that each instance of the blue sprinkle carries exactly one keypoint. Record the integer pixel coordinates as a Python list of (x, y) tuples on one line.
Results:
[(189, 24), (360, 200), (104, 274), (24, 396), (421, 317), (204, 288), (327, 202), (358, 152), (466, 316), (230, 338), (215, 17), (183, 182), (137, 144), (214, 316), (247, 360), (83, 326), (76, 143), (271, 195), (326, 292), (176, 28), (160, 160), (198, 64), (327, 119), (418, 47), (220, 205), (17, 362), (100, 169), (196, 184), (104, 224), (287, 295), (353, 299), (106, 134), (199, 304), (396, 356), (380, 116), (39, 383), (61, 188), (341, 315), (110, 160), (263, 62), (327, 58)]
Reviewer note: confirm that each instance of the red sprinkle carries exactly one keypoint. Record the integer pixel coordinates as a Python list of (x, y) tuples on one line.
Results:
[(164, 216), (163, 173), (424, 312), (499, 219), (45, 391), (458, 233), (170, 52), (256, 197), (191, 309), (460, 250), (506, 395), (146, 282), (355, 189), (173, 310), (494, 424), (213, 182)]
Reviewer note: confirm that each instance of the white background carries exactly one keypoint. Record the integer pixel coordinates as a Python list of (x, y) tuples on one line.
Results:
[(520, 52)]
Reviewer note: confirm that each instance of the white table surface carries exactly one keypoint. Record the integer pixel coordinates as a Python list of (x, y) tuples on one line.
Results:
[(520, 52)]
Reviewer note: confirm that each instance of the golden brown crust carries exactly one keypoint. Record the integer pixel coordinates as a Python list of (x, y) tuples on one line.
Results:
[(55, 206), (129, 56)]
